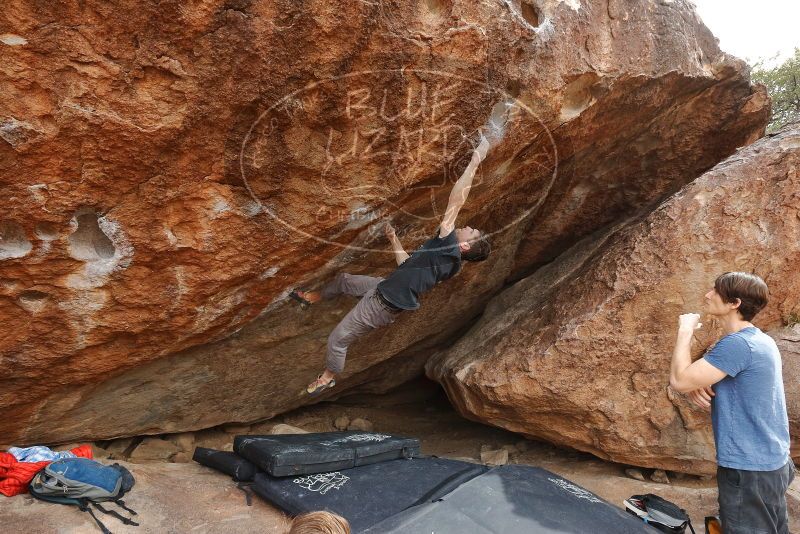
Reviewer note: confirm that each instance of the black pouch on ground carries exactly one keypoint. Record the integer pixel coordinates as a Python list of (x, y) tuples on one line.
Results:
[(367, 494), (660, 513), (515, 498), (229, 463), (303, 454)]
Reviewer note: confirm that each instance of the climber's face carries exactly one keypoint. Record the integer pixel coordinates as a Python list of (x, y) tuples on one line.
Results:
[(466, 235)]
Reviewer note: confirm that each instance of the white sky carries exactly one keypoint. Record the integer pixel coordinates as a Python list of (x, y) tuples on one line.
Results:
[(753, 30)]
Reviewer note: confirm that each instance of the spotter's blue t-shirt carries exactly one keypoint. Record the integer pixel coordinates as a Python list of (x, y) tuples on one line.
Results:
[(748, 410)]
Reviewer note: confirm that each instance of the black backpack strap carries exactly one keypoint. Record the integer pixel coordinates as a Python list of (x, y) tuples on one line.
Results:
[(84, 507), (121, 504), (689, 521), (248, 493), (116, 514)]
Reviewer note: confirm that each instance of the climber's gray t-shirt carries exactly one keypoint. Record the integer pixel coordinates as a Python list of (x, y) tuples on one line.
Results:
[(436, 260), (748, 410)]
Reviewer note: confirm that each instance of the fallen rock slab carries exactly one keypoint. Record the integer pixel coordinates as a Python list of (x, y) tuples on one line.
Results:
[(183, 441), (360, 424), (119, 447), (579, 352), (660, 476), (635, 474), (341, 422), (286, 429), (494, 457), (154, 449)]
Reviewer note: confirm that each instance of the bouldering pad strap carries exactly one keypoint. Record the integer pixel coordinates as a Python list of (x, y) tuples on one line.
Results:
[(248, 492)]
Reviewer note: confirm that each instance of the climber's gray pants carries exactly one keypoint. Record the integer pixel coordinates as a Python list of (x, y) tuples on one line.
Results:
[(368, 314)]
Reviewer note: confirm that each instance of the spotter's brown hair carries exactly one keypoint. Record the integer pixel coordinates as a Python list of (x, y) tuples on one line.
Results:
[(748, 288)]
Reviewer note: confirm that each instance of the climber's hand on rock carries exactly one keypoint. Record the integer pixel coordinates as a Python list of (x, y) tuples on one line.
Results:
[(480, 151), (388, 229), (689, 322), (701, 397)]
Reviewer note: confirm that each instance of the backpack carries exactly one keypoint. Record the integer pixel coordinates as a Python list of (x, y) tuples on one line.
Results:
[(81, 482), (659, 513)]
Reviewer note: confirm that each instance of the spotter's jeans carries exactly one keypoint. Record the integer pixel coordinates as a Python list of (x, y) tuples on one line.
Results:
[(754, 502)]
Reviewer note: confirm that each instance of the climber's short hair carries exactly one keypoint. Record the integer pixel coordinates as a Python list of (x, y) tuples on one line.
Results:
[(319, 523), (478, 250)]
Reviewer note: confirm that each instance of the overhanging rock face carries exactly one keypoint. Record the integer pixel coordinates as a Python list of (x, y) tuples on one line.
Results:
[(170, 170), (579, 352)]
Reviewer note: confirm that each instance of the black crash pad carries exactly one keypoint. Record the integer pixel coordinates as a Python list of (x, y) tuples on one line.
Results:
[(515, 498), (294, 454), (229, 463), (367, 494)]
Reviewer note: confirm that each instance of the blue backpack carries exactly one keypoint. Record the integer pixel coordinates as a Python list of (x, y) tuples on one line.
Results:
[(81, 482)]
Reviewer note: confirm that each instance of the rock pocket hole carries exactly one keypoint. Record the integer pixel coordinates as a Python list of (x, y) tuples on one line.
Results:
[(513, 88), (435, 12), (495, 127), (13, 243), (529, 13), (13, 40), (578, 95), (31, 295), (33, 300), (88, 242), (436, 7), (46, 231)]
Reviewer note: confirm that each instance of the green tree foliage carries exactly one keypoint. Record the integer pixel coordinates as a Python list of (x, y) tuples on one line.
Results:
[(783, 86)]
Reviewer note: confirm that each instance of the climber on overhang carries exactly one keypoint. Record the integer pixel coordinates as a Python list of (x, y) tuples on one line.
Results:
[(438, 259)]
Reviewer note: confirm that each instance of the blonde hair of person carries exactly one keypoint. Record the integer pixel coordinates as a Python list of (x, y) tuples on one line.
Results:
[(319, 523)]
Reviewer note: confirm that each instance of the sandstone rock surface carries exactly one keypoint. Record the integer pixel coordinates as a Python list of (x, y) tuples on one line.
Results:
[(579, 353), (154, 449), (287, 429), (360, 424), (659, 476), (341, 422), (170, 170), (494, 457), (635, 474), (788, 341)]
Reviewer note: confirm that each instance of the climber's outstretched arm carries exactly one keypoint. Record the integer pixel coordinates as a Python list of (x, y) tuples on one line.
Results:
[(460, 191), (400, 255)]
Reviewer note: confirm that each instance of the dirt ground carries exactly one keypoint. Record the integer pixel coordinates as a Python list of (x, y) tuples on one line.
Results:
[(175, 495)]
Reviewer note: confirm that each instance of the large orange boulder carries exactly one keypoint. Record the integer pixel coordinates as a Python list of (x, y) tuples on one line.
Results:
[(579, 352), (171, 169), (788, 341)]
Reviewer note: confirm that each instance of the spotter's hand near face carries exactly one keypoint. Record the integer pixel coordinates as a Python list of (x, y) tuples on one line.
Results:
[(689, 322)]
